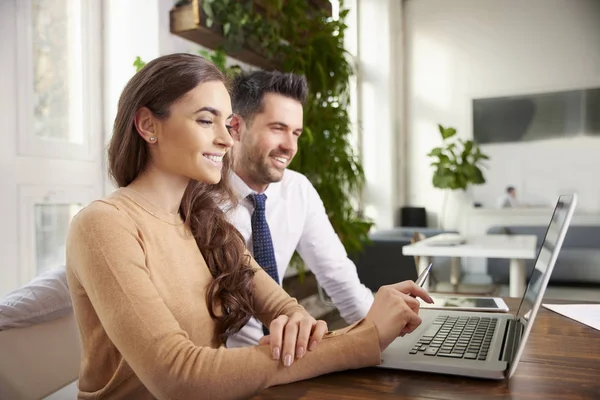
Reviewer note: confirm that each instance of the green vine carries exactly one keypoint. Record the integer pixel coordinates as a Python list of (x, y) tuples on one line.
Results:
[(241, 26)]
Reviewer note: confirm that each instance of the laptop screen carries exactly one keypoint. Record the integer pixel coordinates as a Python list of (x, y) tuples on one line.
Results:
[(543, 260)]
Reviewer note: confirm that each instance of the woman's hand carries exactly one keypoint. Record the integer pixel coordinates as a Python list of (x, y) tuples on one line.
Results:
[(294, 334), (395, 311)]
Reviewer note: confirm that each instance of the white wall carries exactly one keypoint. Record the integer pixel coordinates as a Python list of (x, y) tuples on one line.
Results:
[(130, 30), (461, 49)]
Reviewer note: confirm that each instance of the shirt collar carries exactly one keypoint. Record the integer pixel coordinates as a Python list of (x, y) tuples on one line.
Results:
[(242, 190)]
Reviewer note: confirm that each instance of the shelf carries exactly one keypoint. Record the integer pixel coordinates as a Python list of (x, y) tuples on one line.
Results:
[(188, 22)]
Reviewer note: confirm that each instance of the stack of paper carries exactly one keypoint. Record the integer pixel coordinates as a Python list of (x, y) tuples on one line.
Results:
[(587, 314)]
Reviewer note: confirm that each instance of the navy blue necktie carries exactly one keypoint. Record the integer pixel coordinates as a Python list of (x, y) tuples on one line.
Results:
[(264, 253)]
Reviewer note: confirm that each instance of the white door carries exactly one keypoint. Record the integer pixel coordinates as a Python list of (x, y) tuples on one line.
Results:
[(51, 140)]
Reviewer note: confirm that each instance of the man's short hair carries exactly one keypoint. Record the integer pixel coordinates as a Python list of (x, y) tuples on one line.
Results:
[(510, 189), (249, 89)]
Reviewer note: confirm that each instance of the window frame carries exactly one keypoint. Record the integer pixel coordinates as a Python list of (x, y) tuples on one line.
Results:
[(28, 144)]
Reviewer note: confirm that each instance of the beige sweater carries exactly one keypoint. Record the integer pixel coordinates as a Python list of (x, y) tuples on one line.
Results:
[(138, 280)]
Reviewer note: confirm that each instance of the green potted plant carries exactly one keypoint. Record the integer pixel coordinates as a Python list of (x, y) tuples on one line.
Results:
[(457, 165)]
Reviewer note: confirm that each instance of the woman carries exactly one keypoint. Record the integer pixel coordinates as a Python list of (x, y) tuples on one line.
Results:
[(159, 278)]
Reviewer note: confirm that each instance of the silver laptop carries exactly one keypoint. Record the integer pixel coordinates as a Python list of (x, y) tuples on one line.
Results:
[(479, 344)]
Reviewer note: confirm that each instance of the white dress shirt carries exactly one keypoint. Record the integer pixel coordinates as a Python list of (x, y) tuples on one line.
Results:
[(507, 201), (298, 221)]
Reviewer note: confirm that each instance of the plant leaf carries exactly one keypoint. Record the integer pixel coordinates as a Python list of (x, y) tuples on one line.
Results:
[(441, 129), (448, 132), (468, 146), (445, 159), (138, 63), (435, 152), (477, 177)]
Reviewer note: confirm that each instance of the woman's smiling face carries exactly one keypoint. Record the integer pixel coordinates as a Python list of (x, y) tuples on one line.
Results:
[(192, 141)]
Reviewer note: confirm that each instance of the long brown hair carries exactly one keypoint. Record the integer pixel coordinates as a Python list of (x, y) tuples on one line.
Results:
[(157, 86)]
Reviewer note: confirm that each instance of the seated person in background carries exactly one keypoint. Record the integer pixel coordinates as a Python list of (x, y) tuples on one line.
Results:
[(290, 215), (509, 199), (159, 279)]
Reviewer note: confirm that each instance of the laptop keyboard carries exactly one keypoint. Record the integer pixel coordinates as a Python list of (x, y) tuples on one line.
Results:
[(457, 337)]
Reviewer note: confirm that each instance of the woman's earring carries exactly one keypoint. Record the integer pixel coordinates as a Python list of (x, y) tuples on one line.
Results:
[(152, 139)]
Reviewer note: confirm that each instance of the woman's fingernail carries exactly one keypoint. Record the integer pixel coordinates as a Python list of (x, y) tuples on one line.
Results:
[(312, 346), (287, 360), (276, 353), (299, 352)]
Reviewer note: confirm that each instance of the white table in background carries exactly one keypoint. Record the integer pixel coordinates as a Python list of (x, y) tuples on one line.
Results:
[(516, 248)]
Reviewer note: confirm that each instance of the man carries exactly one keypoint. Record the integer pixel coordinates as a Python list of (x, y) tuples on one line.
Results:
[(509, 199), (280, 211)]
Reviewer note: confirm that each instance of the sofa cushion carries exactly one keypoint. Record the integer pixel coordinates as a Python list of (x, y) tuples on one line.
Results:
[(45, 298), (577, 262), (39, 359)]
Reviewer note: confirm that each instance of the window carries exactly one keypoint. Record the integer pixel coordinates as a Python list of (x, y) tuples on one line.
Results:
[(52, 148), (55, 43), (51, 225), (57, 70)]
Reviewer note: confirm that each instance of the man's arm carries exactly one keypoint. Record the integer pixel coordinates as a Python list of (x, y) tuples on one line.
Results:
[(325, 255)]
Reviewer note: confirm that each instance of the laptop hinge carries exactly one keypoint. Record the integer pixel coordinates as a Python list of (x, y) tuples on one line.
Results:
[(512, 340)]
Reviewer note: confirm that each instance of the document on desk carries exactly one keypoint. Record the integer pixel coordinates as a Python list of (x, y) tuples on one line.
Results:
[(587, 314)]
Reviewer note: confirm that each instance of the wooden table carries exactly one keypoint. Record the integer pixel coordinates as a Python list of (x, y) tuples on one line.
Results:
[(561, 361), (517, 248)]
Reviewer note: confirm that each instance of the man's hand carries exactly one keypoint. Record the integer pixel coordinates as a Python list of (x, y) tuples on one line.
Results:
[(295, 334)]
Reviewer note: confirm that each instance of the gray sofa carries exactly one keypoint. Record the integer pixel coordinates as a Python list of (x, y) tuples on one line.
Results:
[(382, 263), (577, 263)]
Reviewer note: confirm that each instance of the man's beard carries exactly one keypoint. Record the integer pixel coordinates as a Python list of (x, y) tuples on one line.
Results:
[(262, 170)]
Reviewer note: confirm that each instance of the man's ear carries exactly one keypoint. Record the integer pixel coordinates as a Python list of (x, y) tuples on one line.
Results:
[(238, 125), (145, 124)]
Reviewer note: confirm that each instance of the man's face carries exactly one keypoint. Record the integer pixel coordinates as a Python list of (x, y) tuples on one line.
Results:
[(267, 144)]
